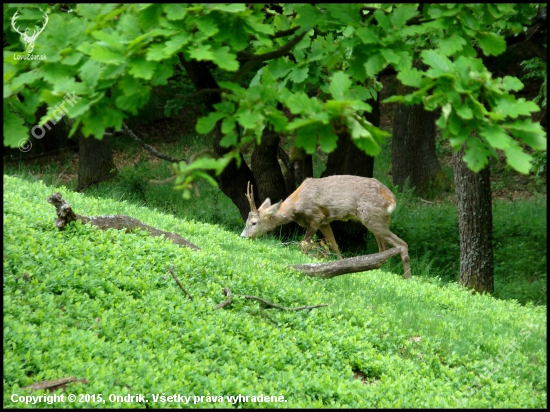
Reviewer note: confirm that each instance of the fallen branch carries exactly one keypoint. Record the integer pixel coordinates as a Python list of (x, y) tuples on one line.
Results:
[(227, 292), (344, 266), (65, 215), (54, 384), (273, 305), (171, 270), (226, 302)]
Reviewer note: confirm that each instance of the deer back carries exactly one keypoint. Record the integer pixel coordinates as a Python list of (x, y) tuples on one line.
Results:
[(339, 197)]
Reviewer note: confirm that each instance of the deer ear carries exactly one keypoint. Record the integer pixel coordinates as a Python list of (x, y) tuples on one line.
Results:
[(275, 208), (265, 204)]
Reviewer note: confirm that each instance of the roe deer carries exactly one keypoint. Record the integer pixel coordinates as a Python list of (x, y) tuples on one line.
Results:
[(317, 202)]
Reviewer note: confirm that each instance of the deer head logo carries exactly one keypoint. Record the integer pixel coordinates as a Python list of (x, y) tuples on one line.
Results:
[(29, 39)]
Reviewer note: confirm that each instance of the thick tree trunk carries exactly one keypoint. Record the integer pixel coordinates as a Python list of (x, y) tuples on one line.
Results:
[(95, 161), (50, 139), (266, 170), (269, 178), (475, 224), (348, 159), (233, 180), (56, 135), (302, 164), (413, 149)]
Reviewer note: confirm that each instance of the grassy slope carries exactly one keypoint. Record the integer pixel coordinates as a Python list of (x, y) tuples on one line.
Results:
[(99, 305)]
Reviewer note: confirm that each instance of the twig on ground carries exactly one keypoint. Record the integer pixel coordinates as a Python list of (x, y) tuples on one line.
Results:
[(273, 305), (171, 270), (227, 292)]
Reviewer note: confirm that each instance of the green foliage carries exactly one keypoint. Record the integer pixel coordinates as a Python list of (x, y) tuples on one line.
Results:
[(100, 305), (536, 68), (111, 56)]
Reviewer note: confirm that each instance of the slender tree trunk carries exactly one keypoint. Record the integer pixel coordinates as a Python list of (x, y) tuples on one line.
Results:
[(95, 161), (233, 180), (348, 159), (475, 224), (413, 149)]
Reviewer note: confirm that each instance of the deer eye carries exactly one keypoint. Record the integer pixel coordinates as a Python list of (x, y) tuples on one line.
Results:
[(254, 223)]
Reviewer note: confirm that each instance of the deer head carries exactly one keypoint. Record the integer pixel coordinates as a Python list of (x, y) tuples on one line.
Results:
[(29, 39), (259, 220)]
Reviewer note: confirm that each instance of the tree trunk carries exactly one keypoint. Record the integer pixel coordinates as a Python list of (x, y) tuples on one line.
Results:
[(302, 164), (269, 177), (348, 159), (233, 180), (475, 224), (266, 170), (50, 139), (413, 149), (95, 161)]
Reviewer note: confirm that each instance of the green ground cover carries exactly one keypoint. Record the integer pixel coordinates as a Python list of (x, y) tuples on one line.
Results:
[(102, 306)]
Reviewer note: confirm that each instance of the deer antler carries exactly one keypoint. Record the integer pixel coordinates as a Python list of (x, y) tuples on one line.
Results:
[(13, 23), (250, 197), (43, 26)]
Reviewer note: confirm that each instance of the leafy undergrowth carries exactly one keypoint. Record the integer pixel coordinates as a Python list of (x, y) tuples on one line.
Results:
[(102, 306)]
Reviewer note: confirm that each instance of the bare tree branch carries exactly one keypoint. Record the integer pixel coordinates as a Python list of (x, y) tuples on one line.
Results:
[(283, 33), (267, 56), (199, 93), (149, 148)]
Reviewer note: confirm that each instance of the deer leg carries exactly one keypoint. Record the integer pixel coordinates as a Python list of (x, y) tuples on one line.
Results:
[(327, 233), (382, 245), (382, 233), (397, 242), (309, 233)]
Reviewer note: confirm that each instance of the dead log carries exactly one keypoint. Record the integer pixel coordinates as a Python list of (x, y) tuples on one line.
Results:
[(66, 215), (345, 266), (55, 384)]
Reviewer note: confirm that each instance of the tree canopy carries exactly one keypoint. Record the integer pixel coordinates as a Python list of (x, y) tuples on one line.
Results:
[(313, 66)]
